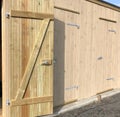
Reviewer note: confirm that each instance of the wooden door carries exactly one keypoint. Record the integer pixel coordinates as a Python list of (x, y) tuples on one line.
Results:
[(66, 47), (27, 46), (105, 50)]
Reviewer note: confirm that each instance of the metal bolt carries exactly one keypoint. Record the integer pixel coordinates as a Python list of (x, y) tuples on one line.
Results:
[(75, 25), (7, 14), (110, 30), (54, 61), (100, 58), (7, 102), (110, 79)]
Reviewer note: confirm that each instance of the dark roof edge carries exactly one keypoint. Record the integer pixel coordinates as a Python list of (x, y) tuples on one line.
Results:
[(105, 4)]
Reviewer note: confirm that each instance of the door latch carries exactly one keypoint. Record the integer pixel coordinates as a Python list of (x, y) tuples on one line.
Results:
[(46, 62)]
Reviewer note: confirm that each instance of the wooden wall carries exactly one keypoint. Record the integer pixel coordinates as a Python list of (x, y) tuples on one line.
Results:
[(86, 50)]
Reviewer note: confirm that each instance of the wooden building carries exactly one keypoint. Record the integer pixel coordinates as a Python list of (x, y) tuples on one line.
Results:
[(57, 52)]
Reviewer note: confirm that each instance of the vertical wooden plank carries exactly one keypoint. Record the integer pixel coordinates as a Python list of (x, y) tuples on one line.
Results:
[(32, 82), (70, 56), (100, 49), (108, 53), (82, 48), (85, 48), (5, 56), (95, 50), (103, 25), (116, 51), (114, 45), (118, 57)]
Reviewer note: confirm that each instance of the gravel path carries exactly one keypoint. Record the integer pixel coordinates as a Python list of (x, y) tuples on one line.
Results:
[(109, 107)]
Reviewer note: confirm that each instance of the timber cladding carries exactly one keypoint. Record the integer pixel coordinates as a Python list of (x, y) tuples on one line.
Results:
[(86, 49), (79, 39)]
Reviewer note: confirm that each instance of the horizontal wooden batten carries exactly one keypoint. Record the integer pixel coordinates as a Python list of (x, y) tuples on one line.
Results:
[(29, 101), (109, 20), (30, 15), (105, 91), (65, 9)]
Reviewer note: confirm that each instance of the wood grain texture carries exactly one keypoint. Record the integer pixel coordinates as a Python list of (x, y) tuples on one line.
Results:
[(29, 101), (90, 54), (73, 6), (65, 72), (32, 60), (22, 34), (86, 53), (30, 15)]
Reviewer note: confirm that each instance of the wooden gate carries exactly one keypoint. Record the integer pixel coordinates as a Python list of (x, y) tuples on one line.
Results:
[(27, 58)]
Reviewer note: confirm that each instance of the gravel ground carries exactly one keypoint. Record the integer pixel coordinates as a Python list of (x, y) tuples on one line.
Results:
[(109, 107)]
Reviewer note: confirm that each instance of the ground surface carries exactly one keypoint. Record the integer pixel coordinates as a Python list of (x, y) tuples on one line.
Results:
[(109, 107)]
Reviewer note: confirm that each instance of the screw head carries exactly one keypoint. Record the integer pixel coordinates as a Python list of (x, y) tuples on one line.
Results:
[(7, 102), (7, 15)]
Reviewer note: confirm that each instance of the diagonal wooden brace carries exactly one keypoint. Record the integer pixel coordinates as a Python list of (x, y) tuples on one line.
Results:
[(33, 58)]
